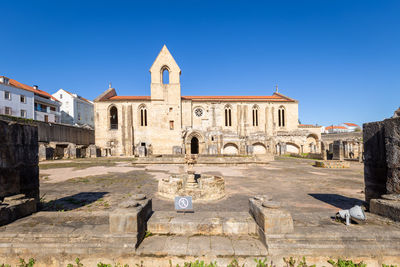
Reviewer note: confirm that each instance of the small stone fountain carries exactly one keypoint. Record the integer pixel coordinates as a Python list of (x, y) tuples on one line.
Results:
[(199, 187)]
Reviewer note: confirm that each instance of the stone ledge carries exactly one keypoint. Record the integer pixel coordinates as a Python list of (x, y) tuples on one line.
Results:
[(16, 207), (202, 223), (386, 208), (332, 164)]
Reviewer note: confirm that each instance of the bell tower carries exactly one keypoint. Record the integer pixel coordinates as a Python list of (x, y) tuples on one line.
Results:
[(166, 109), (165, 78)]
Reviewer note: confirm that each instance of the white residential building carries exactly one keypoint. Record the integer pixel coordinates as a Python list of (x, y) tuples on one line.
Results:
[(346, 127), (75, 110), (15, 101), (21, 100)]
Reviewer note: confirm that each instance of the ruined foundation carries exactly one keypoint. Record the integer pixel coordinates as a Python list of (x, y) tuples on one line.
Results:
[(332, 164), (205, 187), (199, 187)]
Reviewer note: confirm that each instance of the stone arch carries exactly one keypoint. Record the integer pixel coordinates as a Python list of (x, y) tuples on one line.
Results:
[(230, 149), (112, 117), (255, 115), (142, 115), (259, 148), (228, 115), (312, 143), (281, 116), (165, 70), (292, 148), (189, 142)]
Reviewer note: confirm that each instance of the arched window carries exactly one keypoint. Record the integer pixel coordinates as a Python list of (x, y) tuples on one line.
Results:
[(113, 118), (281, 117), (255, 115), (165, 75), (143, 116), (228, 116)]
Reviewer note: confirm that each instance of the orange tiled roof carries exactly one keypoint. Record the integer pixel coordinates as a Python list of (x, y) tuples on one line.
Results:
[(210, 98), (110, 94), (350, 124), (129, 98), (19, 85), (335, 127), (235, 98)]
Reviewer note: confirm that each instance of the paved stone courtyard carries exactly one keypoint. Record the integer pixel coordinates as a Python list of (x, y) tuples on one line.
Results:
[(77, 197), (302, 189)]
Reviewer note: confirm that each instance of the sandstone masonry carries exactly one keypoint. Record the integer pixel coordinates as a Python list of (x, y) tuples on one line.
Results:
[(19, 171)]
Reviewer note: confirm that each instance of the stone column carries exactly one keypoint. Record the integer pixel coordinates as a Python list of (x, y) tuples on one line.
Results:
[(323, 151), (213, 115), (338, 150), (42, 152), (375, 168)]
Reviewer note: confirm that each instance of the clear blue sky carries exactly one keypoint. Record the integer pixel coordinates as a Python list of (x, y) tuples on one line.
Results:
[(340, 59)]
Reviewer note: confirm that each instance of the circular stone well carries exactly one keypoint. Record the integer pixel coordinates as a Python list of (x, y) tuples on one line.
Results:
[(202, 187)]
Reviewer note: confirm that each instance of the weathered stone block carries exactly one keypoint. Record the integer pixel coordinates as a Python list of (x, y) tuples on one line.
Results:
[(131, 218), (381, 158), (249, 150), (177, 150), (392, 146), (270, 220), (42, 152), (15, 207), (19, 172), (338, 150), (212, 150), (386, 208), (142, 151)]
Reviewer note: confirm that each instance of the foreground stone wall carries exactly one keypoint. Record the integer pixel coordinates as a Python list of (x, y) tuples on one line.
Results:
[(19, 171), (382, 167)]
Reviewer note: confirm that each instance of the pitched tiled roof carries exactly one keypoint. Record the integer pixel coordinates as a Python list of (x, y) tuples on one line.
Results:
[(275, 98), (129, 98), (236, 98), (335, 127), (22, 86), (351, 124)]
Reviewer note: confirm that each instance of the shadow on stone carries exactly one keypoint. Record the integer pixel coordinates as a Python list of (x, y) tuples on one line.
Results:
[(72, 202), (339, 201)]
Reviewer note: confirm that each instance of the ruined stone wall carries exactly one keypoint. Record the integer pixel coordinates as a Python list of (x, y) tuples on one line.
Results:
[(55, 132), (381, 158), (19, 171), (329, 138)]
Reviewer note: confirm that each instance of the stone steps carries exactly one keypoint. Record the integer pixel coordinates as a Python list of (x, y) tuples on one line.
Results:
[(201, 223), (186, 245)]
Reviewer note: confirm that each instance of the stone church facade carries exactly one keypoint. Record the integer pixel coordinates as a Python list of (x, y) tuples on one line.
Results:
[(168, 123)]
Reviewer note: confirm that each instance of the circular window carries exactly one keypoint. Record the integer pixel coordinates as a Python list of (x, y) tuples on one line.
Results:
[(198, 112)]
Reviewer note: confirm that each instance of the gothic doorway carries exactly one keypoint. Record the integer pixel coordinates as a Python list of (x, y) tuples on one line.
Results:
[(194, 146)]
